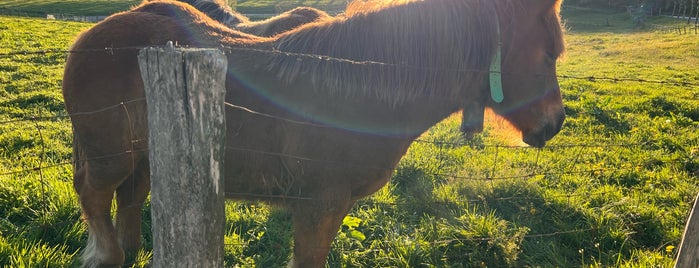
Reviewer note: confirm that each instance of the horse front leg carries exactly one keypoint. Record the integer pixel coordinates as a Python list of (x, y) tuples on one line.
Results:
[(316, 223)]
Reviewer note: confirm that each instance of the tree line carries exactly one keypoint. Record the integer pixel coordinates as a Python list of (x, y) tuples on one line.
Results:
[(670, 7)]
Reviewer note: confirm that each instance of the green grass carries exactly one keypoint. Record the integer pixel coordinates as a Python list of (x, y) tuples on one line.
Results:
[(451, 202), (71, 7)]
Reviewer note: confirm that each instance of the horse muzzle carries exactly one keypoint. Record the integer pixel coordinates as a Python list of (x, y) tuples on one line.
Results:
[(538, 137)]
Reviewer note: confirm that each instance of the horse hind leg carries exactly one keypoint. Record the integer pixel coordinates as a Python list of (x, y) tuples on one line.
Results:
[(102, 249), (95, 186), (130, 198)]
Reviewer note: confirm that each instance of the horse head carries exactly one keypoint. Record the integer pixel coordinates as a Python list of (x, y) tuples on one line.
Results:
[(522, 75)]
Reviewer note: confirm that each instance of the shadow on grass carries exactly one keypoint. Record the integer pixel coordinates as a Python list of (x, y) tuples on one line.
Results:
[(533, 228)]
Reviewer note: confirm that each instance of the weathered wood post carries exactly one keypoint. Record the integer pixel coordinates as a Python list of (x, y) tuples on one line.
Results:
[(185, 97), (688, 254)]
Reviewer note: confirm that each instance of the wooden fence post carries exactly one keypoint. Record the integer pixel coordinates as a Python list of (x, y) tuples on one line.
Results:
[(185, 98), (688, 254)]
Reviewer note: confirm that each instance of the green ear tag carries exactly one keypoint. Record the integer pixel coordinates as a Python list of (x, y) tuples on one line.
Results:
[(496, 69), (496, 77)]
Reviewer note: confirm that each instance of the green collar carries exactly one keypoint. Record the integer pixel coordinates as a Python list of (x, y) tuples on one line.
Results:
[(496, 70)]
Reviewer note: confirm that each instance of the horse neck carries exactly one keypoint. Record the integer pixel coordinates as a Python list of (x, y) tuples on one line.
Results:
[(403, 68), (432, 49), (464, 29)]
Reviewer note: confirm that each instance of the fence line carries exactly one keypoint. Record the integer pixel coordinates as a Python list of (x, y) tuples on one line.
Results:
[(677, 28), (122, 105), (316, 57), (51, 15), (488, 178), (432, 202), (280, 154), (346, 163), (21, 13), (339, 162)]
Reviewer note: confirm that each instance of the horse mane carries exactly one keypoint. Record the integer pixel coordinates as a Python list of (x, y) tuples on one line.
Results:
[(365, 6), (397, 53), (217, 10), (284, 22), (203, 31), (556, 28)]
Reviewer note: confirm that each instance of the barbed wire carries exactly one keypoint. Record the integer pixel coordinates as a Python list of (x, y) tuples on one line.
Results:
[(454, 176), (436, 201), (490, 177), (108, 50), (122, 105), (347, 163), (592, 78), (33, 118), (353, 164)]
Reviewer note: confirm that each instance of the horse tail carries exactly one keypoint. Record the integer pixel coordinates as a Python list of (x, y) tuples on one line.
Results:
[(77, 162)]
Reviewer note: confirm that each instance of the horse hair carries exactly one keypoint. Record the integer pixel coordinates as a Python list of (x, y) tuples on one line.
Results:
[(216, 10), (284, 22), (387, 65)]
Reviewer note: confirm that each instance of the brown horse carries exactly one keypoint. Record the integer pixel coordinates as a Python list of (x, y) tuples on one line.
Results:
[(283, 22), (330, 128)]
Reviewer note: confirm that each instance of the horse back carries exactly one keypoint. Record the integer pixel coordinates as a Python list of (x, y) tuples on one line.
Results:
[(103, 90)]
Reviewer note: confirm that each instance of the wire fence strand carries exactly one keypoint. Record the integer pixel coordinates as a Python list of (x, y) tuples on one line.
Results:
[(316, 57)]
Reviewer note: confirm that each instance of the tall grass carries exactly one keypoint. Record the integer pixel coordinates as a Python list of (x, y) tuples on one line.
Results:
[(613, 189)]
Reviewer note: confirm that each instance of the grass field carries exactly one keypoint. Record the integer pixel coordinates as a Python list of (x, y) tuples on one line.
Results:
[(105, 7), (614, 188)]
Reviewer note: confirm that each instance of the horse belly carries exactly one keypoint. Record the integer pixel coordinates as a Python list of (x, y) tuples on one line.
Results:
[(269, 160)]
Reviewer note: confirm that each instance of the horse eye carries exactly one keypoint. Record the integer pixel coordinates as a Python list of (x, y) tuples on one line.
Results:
[(551, 57)]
